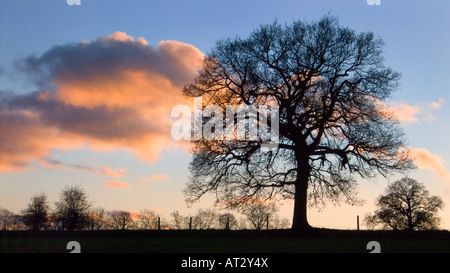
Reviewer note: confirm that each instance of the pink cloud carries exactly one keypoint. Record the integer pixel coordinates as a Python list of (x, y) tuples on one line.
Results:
[(415, 113), (425, 160), (117, 185), (123, 37), (438, 104), (405, 112), (155, 177), (113, 173)]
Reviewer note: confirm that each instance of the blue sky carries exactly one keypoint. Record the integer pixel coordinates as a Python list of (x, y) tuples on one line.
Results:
[(417, 45)]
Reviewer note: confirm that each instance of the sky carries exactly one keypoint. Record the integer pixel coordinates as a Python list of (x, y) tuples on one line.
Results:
[(86, 92)]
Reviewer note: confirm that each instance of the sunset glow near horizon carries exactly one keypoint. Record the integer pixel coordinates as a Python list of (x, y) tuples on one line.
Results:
[(86, 94)]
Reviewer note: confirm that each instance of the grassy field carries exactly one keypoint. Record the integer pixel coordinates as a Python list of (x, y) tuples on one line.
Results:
[(215, 241)]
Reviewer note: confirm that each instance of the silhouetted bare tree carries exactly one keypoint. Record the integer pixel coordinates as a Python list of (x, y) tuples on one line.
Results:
[(277, 222), (406, 205), (72, 209), (204, 219), (35, 216), (179, 221), (120, 219), (242, 224), (228, 221), (258, 212), (148, 219), (97, 219), (7, 219), (327, 82)]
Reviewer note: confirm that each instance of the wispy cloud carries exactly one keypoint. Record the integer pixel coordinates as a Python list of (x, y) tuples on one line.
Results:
[(114, 92), (117, 185), (50, 163), (112, 173), (438, 104), (405, 112), (155, 177), (425, 160), (415, 113)]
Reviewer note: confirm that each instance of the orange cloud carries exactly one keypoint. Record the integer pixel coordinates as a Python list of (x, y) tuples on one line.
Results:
[(117, 185), (425, 160), (115, 92), (123, 37), (405, 112), (414, 113), (155, 177), (23, 138), (113, 173), (438, 104)]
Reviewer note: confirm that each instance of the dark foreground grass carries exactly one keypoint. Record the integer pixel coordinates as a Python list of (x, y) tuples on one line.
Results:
[(215, 241)]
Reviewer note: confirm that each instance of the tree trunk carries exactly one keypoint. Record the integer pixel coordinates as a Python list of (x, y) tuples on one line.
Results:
[(410, 223), (300, 219)]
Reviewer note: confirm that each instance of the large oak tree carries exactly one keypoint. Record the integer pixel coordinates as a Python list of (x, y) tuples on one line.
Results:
[(329, 83)]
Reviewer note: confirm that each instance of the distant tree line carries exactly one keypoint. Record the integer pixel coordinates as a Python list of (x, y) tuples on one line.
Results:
[(406, 205), (73, 211)]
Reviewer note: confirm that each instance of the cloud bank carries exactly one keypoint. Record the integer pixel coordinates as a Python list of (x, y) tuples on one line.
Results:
[(110, 93)]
